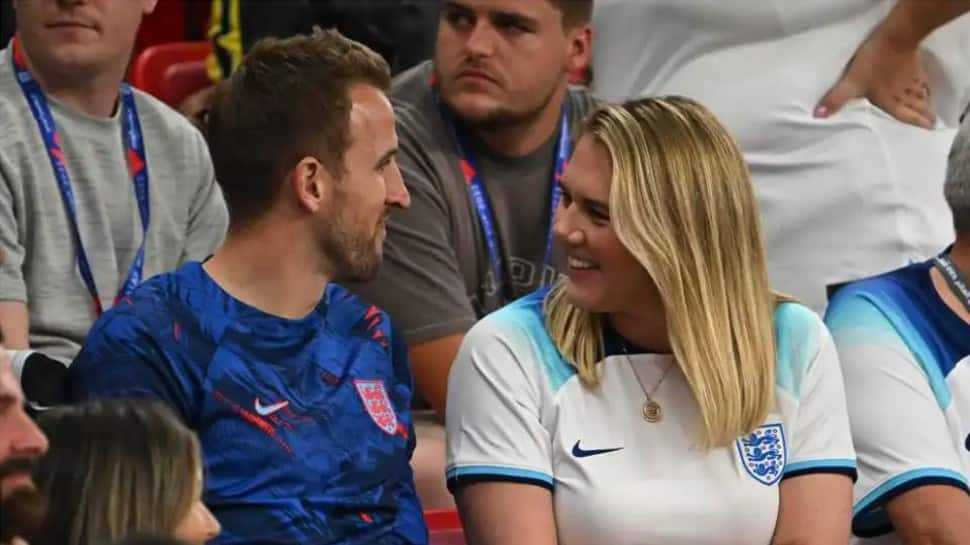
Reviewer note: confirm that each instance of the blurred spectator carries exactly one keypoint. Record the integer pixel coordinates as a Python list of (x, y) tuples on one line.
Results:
[(485, 132), (661, 393), (400, 30), (849, 186), (299, 391), (80, 220), (117, 468), (21, 443), (904, 341)]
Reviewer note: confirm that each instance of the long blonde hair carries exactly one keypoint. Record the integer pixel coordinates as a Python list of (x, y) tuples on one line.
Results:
[(116, 468), (682, 203)]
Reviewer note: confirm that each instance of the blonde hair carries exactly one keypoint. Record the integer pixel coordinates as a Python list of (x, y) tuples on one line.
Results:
[(114, 469), (682, 204)]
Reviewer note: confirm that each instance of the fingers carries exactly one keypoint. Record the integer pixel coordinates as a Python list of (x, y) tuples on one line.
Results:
[(843, 91)]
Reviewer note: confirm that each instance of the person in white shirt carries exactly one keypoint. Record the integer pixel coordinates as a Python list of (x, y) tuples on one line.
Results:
[(844, 109), (661, 393), (904, 337)]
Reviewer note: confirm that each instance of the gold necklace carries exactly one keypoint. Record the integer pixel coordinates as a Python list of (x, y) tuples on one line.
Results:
[(651, 411)]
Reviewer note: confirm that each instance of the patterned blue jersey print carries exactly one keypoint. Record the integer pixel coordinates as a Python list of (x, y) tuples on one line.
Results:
[(305, 424)]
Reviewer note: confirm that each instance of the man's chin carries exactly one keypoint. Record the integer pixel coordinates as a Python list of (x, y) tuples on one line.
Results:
[(22, 515)]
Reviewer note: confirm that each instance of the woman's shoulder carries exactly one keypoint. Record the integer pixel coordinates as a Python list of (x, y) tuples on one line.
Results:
[(799, 338)]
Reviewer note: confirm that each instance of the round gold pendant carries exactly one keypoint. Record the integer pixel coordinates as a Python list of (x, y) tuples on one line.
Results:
[(652, 412)]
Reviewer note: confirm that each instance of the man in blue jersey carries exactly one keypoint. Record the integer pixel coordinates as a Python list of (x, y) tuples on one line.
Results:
[(904, 342), (299, 391)]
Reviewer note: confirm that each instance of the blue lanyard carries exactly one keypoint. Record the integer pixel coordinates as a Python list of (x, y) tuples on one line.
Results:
[(479, 197), (134, 153)]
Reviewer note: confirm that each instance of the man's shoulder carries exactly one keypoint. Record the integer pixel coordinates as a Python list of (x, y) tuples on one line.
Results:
[(163, 303), (413, 99)]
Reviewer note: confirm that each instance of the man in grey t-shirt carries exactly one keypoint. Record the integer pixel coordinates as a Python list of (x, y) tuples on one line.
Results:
[(77, 54), (501, 68)]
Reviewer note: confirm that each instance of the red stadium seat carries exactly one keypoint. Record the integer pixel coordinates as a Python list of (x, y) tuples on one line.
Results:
[(444, 527), (171, 71)]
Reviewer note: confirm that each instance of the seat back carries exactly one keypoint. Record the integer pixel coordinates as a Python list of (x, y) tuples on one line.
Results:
[(171, 71)]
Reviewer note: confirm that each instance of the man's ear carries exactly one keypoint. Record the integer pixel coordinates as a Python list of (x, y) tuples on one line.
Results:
[(580, 54), (310, 180)]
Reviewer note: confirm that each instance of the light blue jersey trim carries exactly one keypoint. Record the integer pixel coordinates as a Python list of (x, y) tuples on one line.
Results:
[(526, 317), (468, 471), (864, 317), (899, 480), (796, 344), (833, 463)]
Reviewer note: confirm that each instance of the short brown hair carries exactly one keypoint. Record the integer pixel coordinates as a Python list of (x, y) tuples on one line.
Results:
[(115, 468), (288, 99), (574, 12)]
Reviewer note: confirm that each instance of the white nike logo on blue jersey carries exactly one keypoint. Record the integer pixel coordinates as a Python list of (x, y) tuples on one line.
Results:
[(266, 410)]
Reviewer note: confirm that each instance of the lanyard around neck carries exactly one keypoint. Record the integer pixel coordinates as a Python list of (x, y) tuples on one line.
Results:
[(134, 153), (479, 196)]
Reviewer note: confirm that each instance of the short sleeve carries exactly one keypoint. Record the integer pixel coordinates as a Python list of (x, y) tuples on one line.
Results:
[(898, 423), (494, 420), (820, 437), (122, 357), (420, 283)]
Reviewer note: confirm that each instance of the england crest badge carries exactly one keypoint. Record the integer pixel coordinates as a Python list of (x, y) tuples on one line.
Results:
[(378, 404), (764, 454)]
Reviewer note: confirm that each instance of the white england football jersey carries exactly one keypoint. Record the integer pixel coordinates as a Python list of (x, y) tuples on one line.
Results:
[(518, 412), (906, 360)]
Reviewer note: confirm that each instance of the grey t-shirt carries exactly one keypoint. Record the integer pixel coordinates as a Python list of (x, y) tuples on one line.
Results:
[(188, 214), (436, 279)]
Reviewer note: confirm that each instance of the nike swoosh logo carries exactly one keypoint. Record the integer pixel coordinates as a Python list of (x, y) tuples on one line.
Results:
[(967, 443), (580, 453), (266, 410)]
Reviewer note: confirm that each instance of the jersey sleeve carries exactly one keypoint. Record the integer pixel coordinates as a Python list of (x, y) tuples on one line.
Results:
[(898, 421), (420, 283), (125, 356), (494, 415), (821, 440)]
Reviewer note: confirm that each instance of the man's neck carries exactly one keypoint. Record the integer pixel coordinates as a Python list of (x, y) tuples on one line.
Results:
[(960, 255), (269, 268), (522, 139), (90, 92)]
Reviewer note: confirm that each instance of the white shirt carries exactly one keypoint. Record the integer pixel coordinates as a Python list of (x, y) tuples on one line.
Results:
[(517, 412), (907, 372), (840, 198)]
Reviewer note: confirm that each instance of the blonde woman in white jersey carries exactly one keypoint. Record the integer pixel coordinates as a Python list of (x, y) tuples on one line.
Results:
[(662, 394)]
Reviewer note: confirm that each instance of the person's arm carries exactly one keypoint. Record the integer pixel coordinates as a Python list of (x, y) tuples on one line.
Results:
[(499, 452), (15, 325), (208, 216), (815, 494), (125, 356), (496, 513), (911, 477), (14, 319), (887, 68), (432, 362)]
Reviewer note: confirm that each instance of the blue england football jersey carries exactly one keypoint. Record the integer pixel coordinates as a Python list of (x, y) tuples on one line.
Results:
[(906, 362), (305, 424)]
